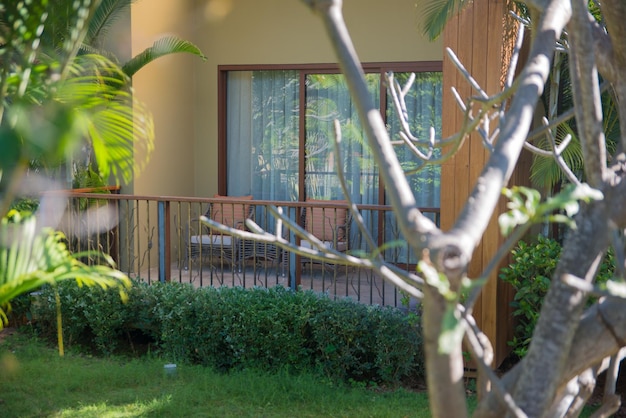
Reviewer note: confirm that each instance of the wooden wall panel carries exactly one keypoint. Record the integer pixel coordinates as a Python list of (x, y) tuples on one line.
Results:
[(448, 121), (478, 38), (481, 70)]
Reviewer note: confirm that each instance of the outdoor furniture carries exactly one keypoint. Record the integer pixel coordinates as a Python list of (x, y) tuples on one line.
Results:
[(267, 258), (328, 224), (215, 246)]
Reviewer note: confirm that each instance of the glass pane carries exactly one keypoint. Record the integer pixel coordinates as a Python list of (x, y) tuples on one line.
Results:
[(423, 106), (262, 134), (328, 99)]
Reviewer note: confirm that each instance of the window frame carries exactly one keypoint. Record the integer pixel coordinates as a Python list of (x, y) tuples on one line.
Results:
[(304, 70)]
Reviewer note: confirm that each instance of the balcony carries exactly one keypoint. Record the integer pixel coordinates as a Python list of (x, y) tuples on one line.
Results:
[(162, 239)]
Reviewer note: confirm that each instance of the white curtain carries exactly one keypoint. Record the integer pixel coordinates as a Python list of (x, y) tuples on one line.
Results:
[(239, 133), (262, 132)]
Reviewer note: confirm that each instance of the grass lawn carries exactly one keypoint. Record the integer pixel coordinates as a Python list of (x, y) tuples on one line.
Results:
[(37, 382)]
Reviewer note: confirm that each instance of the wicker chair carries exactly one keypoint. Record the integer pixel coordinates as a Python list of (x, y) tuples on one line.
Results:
[(329, 225), (214, 246)]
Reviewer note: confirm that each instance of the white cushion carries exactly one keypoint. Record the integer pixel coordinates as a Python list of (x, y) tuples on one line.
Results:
[(217, 240), (341, 245)]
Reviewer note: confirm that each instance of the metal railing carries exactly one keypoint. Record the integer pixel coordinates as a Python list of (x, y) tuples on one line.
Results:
[(162, 239)]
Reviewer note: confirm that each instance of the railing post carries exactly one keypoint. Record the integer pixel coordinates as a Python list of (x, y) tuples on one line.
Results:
[(294, 272), (164, 240)]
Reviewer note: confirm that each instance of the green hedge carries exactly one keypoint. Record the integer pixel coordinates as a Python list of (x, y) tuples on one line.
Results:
[(530, 273), (235, 328)]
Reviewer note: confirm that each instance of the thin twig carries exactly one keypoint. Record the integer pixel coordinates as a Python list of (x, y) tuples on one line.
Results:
[(481, 349), (356, 214), (472, 82)]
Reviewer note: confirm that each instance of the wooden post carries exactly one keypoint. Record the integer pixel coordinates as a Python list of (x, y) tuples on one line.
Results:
[(165, 262), (480, 38)]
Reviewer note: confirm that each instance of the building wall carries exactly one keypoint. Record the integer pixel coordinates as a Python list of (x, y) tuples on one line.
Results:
[(181, 91), (166, 87)]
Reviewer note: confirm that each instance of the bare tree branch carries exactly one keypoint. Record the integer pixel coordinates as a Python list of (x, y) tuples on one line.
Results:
[(538, 382), (482, 353), (588, 108), (614, 12), (409, 283), (601, 334)]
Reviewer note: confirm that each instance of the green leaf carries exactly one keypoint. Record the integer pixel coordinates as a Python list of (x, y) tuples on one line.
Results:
[(164, 46), (452, 330), (436, 14), (435, 279), (526, 207), (30, 257), (508, 221), (560, 218), (106, 15), (118, 126)]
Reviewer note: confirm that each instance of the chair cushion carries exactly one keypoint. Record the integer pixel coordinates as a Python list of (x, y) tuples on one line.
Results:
[(323, 222), (207, 240), (228, 213), (342, 246)]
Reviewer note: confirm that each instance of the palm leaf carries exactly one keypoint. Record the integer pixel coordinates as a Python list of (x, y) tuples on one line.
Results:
[(118, 126), (164, 46), (104, 17), (117, 133), (30, 258), (436, 14), (611, 122), (545, 172)]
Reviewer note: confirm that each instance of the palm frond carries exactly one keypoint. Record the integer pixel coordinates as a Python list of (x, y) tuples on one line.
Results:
[(118, 126), (105, 16), (611, 122), (163, 46), (545, 172), (436, 14), (94, 50), (118, 134), (30, 258)]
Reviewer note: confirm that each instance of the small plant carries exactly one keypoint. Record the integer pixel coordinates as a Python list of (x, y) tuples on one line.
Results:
[(25, 205), (530, 273)]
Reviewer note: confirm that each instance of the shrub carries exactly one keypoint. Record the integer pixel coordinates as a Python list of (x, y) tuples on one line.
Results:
[(530, 273), (94, 317), (235, 328), (365, 343)]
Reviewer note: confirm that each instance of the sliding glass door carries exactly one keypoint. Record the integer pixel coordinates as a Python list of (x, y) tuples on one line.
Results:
[(279, 138)]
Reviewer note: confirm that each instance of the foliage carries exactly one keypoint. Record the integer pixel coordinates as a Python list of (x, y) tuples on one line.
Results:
[(60, 88), (51, 99), (525, 206), (235, 328), (436, 15), (30, 258), (161, 47), (25, 206), (572, 341), (530, 272)]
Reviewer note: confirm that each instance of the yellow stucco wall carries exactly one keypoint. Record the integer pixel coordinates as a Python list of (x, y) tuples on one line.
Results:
[(181, 91)]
